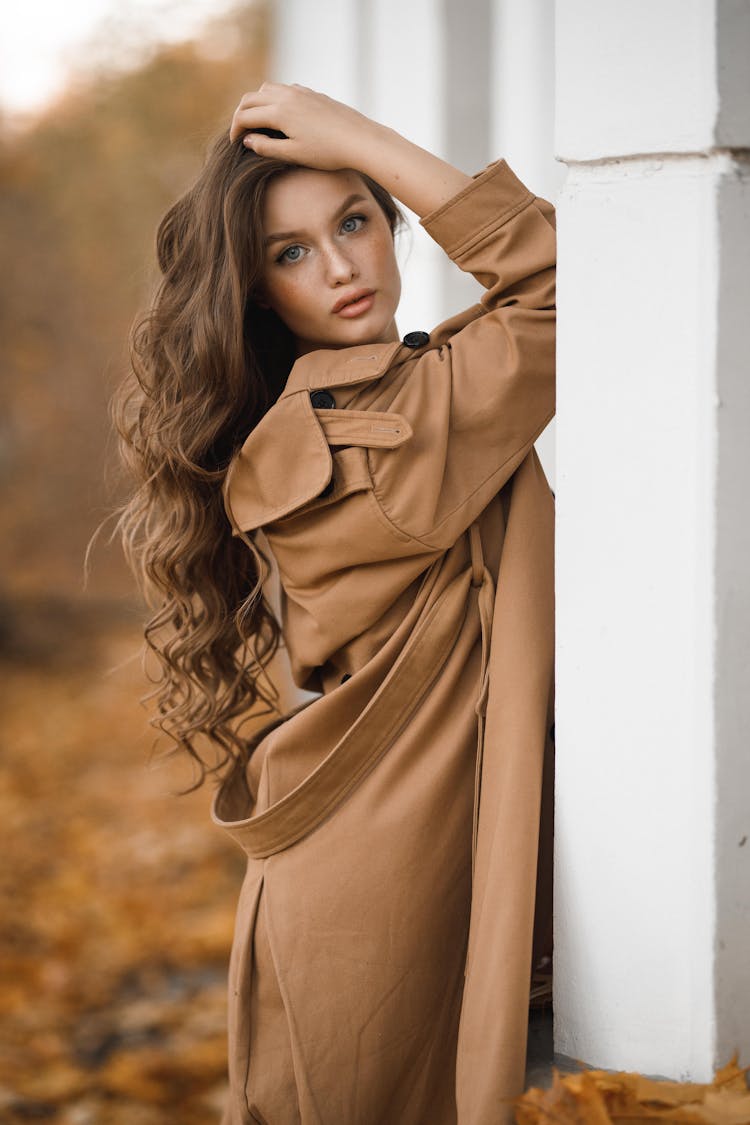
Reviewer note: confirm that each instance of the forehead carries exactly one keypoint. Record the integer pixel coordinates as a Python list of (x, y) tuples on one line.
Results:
[(306, 195)]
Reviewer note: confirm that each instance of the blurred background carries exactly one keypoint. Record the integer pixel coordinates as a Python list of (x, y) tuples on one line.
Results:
[(118, 896)]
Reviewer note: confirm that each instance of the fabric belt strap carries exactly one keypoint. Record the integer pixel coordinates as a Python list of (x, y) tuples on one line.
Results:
[(481, 577), (366, 741), (370, 428)]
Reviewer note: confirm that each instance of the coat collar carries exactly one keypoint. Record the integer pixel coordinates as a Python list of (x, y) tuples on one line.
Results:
[(286, 461), (341, 367)]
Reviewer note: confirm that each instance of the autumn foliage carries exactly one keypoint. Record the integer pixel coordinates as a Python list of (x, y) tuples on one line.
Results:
[(117, 906), (117, 897), (600, 1097), (81, 194)]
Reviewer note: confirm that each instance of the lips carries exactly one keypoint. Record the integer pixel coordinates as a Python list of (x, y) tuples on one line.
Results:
[(348, 302)]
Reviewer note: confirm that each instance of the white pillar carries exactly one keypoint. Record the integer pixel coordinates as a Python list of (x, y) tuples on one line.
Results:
[(523, 92), (316, 44), (404, 47), (652, 872), (522, 101)]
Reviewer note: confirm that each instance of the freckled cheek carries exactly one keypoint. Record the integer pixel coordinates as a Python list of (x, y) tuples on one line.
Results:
[(292, 301), (387, 269)]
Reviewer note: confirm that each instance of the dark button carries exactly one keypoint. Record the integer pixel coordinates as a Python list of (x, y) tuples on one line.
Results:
[(416, 339), (322, 400)]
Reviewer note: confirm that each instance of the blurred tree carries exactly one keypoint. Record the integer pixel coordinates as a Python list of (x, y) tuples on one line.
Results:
[(81, 194)]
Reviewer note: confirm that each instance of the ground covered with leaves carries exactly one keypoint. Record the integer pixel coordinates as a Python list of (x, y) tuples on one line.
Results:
[(600, 1097), (117, 904)]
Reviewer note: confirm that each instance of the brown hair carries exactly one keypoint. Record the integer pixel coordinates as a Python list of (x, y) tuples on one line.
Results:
[(207, 363)]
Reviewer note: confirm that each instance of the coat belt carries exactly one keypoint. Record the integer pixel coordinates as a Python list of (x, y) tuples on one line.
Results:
[(482, 578), (301, 810)]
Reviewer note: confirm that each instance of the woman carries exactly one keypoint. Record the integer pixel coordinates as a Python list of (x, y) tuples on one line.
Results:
[(398, 849)]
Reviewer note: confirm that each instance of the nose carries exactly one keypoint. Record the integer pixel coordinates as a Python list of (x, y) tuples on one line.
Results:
[(340, 266)]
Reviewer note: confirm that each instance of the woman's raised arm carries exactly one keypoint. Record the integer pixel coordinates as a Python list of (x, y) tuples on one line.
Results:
[(326, 134)]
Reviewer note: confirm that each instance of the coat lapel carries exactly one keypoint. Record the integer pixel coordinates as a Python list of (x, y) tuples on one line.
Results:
[(283, 464)]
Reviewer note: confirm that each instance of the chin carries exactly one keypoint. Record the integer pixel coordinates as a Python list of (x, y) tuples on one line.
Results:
[(350, 334), (364, 333)]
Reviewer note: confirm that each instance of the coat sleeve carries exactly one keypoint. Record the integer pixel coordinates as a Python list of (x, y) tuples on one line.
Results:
[(477, 402)]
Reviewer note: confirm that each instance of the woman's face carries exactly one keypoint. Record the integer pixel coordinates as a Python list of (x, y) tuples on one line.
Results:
[(326, 242)]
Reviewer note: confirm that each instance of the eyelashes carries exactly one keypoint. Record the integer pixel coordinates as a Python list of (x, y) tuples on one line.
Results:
[(354, 219), (284, 257)]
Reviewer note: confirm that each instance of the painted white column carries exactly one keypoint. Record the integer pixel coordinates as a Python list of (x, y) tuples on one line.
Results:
[(522, 101), (523, 92), (428, 64), (403, 44), (652, 872), (316, 43)]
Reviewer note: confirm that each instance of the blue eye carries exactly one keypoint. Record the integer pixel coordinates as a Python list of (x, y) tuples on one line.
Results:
[(288, 255), (358, 220)]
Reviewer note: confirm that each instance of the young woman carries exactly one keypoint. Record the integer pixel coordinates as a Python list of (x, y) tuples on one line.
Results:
[(398, 845)]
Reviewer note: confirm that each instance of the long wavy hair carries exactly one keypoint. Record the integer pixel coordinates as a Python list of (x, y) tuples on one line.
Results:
[(207, 362)]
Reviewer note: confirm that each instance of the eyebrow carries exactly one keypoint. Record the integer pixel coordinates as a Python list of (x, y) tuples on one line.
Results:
[(282, 236)]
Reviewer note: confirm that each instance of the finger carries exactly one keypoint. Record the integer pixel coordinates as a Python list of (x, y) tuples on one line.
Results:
[(262, 96), (262, 145), (247, 117), (258, 116), (249, 100)]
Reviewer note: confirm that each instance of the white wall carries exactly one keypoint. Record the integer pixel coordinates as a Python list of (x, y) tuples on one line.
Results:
[(653, 596)]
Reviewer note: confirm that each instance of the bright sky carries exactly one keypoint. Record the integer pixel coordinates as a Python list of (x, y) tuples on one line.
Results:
[(40, 41)]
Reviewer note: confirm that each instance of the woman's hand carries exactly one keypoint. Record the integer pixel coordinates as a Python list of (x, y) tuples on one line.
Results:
[(326, 134), (320, 132)]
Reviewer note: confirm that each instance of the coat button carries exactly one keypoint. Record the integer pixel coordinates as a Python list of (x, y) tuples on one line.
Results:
[(322, 400), (416, 339)]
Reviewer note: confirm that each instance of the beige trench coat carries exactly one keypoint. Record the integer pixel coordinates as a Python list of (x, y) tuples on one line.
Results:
[(393, 825)]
